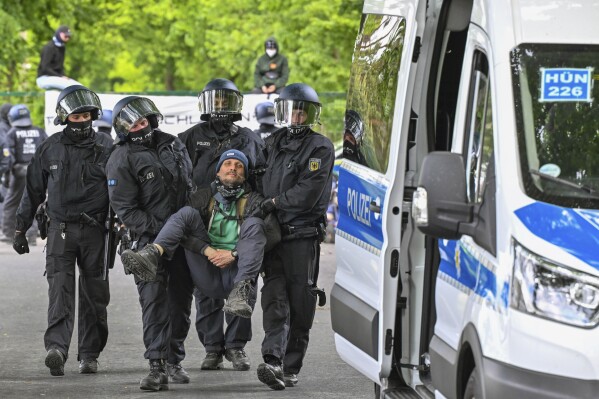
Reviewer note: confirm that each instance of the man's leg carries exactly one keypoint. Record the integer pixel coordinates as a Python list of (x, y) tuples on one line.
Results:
[(180, 297), (187, 221), (60, 273), (209, 325), (55, 82), (11, 203), (275, 310), (94, 296), (300, 272)]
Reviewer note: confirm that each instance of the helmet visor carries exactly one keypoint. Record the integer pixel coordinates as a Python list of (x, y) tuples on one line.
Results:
[(77, 102), (220, 101), (296, 113), (134, 111)]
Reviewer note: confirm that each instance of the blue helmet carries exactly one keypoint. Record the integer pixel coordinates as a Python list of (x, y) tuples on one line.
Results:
[(19, 116), (105, 120), (265, 113)]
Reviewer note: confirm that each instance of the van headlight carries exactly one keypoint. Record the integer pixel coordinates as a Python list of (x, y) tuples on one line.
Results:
[(546, 289)]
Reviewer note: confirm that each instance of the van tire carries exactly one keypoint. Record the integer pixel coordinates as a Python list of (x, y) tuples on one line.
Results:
[(473, 388)]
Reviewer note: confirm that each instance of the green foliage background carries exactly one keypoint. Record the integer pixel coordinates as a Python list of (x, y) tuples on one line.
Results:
[(179, 45)]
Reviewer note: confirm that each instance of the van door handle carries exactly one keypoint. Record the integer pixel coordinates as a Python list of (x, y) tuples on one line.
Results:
[(374, 207)]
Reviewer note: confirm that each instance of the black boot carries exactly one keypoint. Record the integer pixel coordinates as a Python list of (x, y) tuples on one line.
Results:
[(142, 264), (55, 362), (237, 302), (271, 373), (157, 380)]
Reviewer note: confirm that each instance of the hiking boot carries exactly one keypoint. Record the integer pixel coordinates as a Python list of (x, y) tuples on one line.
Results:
[(212, 361), (88, 366), (55, 362), (237, 356), (290, 379), (271, 375), (237, 302), (177, 374), (143, 264), (157, 380)]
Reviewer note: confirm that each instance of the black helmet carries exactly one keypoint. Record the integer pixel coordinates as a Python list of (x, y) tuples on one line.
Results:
[(131, 109), (222, 98), (76, 99), (354, 125), (19, 116), (297, 97), (265, 113)]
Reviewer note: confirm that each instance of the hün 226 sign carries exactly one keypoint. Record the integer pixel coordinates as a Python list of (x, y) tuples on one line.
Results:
[(566, 84)]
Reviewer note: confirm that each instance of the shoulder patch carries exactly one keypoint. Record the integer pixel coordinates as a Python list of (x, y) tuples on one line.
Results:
[(315, 164), (112, 182), (6, 153)]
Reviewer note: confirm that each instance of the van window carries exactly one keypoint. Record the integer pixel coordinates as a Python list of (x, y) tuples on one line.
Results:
[(372, 90), (557, 121), (479, 144)]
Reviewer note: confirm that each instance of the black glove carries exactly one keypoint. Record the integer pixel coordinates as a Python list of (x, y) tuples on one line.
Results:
[(19, 243), (266, 207)]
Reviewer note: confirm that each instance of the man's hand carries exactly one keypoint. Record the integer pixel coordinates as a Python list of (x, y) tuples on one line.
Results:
[(266, 207), (219, 257), (272, 88), (265, 90), (19, 243)]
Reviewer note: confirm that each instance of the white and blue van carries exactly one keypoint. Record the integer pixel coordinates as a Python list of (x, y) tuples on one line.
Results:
[(468, 239)]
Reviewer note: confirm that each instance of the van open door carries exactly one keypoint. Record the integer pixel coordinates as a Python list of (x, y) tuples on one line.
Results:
[(364, 299)]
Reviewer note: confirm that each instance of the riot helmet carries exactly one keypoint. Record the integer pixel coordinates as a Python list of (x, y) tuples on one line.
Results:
[(354, 126), (220, 99), (76, 99), (297, 107), (105, 120), (130, 110), (265, 113), (19, 116)]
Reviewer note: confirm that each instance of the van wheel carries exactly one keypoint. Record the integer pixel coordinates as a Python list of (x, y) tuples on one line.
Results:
[(473, 387)]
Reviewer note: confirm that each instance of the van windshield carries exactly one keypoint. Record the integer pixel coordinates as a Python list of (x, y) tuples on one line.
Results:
[(557, 120)]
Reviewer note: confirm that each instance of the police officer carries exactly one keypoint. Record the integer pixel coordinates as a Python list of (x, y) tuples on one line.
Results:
[(104, 123), (4, 128), (69, 165), (220, 104), (297, 184), (149, 177), (20, 144), (265, 115)]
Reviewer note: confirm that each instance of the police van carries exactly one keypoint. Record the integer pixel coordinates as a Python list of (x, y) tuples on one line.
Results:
[(468, 238)]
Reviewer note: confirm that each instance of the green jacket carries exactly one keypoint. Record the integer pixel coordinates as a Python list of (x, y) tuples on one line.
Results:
[(278, 68)]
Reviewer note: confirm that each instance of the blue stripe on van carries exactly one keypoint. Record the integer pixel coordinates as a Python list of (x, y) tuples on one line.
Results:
[(355, 217), (462, 267), (576, 231)]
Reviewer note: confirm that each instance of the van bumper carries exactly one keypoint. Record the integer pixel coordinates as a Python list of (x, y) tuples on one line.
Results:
[(503, 380)]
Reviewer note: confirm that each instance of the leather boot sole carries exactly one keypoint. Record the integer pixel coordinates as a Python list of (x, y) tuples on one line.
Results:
[(134, 264), (55, 362), (268, 377)]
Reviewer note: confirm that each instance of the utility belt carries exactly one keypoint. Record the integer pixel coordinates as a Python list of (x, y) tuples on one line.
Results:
[(97, 220), (289, 232)]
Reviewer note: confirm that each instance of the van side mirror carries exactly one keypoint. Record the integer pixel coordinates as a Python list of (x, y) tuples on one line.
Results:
[(440, 205)]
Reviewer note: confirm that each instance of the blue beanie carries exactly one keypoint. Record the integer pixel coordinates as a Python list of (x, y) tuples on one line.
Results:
[(233, 154)]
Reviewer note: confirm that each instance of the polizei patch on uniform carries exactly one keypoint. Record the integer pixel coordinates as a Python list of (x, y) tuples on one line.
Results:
[(112, 182), (314, 164), (203, 143)]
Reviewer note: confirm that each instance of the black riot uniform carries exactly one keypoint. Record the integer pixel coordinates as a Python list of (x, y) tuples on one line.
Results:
[(220, 104), (149, 177), (19, 146), (297, 183), (69, 166)]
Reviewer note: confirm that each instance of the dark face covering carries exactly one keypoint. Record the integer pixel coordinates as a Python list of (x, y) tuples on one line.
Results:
[(221, 123), (296, 132), (143, 136), (78, 131)]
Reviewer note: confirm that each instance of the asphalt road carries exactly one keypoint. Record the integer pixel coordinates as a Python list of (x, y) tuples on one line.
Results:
[(23, 305)]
